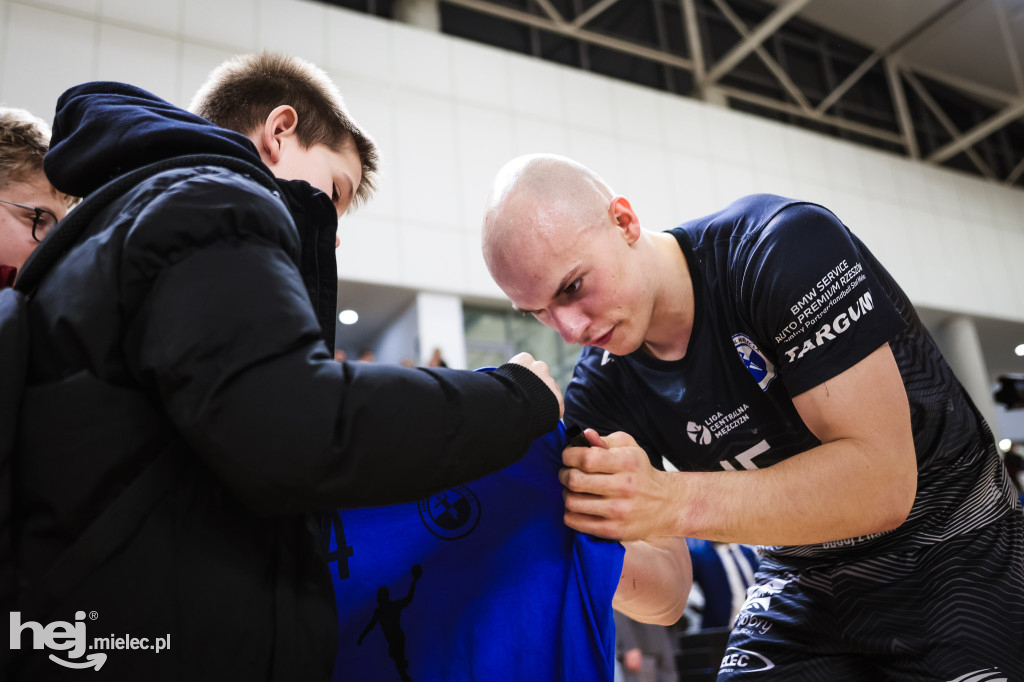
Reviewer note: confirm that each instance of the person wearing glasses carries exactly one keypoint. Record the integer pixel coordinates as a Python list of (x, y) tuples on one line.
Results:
[(29, 204)]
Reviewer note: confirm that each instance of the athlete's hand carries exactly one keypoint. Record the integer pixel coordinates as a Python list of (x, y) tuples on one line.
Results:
[(612, 491), (541, 369)]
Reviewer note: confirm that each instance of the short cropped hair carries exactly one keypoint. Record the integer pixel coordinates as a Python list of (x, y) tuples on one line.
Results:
[(240, 94), (24, 141)]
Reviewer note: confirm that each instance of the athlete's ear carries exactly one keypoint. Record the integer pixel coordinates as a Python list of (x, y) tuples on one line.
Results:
[(277, 131), (625, 219)]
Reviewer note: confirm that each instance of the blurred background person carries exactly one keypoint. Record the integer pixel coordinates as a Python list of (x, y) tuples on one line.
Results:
[(436, 359), (645, 651)]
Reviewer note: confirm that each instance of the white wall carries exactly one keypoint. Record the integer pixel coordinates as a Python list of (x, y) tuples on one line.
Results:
[(447, 113), (441, 325)]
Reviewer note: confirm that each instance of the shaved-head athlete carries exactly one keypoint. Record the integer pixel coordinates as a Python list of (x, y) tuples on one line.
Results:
[(767, 354)]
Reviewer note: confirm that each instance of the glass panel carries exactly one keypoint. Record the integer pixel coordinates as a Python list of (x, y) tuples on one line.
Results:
[(494, 335)]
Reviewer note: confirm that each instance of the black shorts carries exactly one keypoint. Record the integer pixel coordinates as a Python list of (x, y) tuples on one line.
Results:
[(953, 611)]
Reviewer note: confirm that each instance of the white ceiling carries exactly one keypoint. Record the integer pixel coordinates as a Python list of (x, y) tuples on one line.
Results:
[(968, 43)]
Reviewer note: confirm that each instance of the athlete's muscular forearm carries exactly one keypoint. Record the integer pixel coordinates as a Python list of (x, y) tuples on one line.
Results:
[(835, 491), (861, 480), (655, 582)]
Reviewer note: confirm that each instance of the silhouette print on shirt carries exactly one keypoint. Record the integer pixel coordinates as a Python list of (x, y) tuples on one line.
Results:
[(388, 613)]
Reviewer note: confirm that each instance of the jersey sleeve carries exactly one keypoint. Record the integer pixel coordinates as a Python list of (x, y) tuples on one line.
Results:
[(812, 297)]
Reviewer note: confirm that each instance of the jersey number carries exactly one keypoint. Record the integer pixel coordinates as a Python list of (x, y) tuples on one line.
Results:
[(745, 459)]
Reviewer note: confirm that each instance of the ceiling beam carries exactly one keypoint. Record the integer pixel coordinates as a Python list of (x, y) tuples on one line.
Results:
[(899, 99), (696, 48), (767, 27), (564, 29), (945, 122), (979, 132), (969, 87), (825, 119), (773, 66), (585, 17), (890, 49), (1011, 47), (550, 10)]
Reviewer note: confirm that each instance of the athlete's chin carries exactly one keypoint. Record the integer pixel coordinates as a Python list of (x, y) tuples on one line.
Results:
[(616, 342)]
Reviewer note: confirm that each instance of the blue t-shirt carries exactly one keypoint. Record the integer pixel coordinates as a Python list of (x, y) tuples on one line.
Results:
[(786, 298), (480, 582)]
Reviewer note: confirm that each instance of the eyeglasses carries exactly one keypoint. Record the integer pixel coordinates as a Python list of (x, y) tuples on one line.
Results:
[(42, 220)]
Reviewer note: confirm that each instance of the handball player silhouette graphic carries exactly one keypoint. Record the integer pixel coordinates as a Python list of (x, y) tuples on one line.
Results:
[(388, 613)]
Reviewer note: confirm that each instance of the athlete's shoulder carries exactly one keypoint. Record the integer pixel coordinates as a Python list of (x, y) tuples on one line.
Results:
[(743, 218)]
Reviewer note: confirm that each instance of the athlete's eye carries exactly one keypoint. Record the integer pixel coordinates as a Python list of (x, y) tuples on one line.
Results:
[(574, 286)]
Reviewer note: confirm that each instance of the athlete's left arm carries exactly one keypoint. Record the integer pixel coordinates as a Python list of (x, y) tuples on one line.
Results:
[(655, 581), (862, 418)]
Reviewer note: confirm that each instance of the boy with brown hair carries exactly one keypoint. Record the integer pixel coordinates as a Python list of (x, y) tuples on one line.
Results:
[(31, 206), (184, 341)]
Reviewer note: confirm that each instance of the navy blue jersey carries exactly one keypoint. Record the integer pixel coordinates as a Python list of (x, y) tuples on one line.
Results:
[(785, 299), (479, 582)]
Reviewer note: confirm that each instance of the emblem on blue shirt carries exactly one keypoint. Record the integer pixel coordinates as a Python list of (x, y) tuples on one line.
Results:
[(754, 360), (451, 514)]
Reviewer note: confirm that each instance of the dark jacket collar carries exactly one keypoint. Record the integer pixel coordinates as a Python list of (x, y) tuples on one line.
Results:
[(317, 222)]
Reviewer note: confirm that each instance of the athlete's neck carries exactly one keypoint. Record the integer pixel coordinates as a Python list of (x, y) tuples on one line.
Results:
[(668, 335)]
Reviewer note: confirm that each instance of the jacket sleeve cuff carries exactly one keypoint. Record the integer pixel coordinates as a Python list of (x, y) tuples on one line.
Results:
[(543, 406)]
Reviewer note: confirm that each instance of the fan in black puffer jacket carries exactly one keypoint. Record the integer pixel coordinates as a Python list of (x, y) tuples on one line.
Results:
[(190, 319)]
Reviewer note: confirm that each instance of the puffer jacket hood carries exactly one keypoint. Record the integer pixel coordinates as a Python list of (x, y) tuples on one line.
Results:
[(104, 129)]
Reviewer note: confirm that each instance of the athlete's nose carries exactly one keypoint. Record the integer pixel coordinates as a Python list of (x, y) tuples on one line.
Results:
[(569, 323)]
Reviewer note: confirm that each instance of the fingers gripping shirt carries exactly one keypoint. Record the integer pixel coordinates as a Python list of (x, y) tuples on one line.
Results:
[(785, 299)]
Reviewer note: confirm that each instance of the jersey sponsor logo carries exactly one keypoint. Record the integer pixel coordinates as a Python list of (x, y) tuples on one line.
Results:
[(754, 360), (759, 597), (451, 514), (698, 433), (606, 358), (738, 660), (717, 425), (753, 617), (828, 332)]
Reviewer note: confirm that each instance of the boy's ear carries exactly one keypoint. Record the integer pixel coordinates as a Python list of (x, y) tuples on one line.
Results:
[(277, 131)]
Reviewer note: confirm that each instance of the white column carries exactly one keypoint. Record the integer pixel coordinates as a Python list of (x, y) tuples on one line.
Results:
[(961, 346), (440, 325)]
